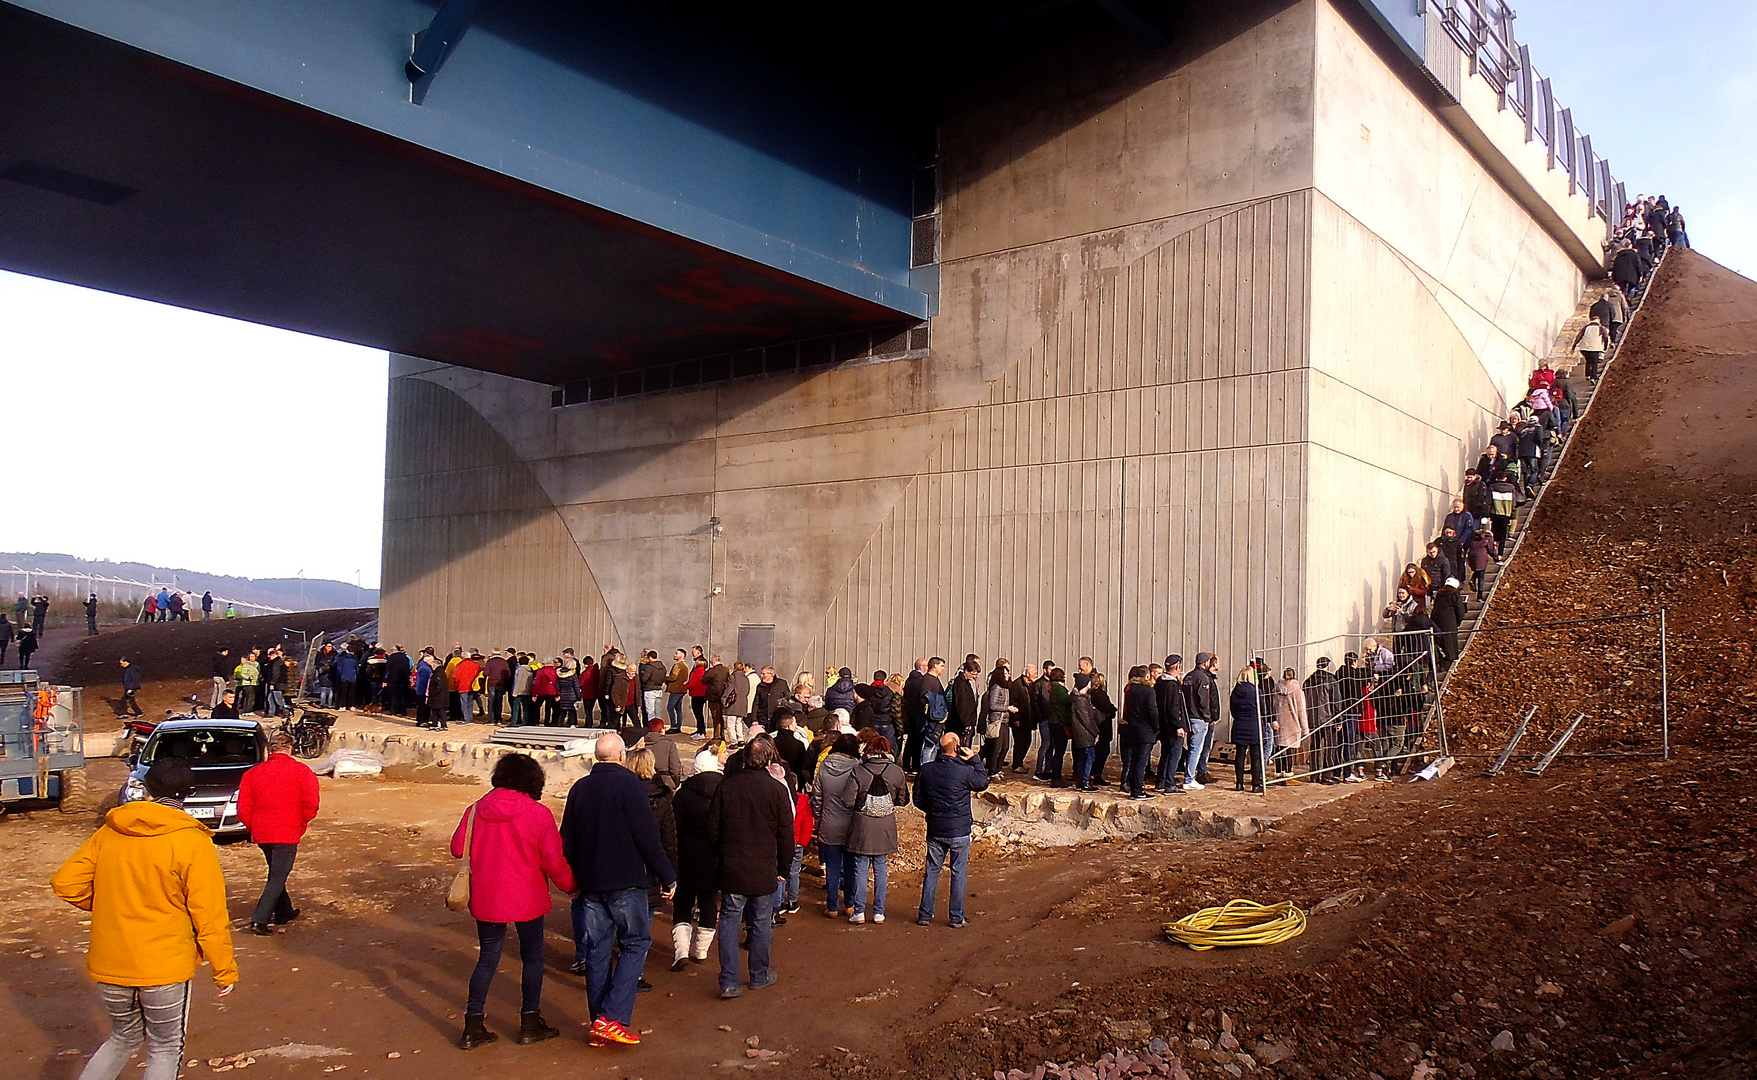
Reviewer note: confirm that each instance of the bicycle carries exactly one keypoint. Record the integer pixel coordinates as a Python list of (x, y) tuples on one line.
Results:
[(310, 734)]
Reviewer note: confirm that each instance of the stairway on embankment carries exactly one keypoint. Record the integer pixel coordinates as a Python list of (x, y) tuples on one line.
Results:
[(1562, 357)]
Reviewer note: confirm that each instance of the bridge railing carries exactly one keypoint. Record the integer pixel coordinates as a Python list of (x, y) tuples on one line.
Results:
[(1483, 30)]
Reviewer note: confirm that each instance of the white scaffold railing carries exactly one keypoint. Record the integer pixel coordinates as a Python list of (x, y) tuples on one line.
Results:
[(116, 584)]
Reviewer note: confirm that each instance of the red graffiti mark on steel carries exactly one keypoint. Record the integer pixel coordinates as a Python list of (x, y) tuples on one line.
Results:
[(485, 346), (707, 287)]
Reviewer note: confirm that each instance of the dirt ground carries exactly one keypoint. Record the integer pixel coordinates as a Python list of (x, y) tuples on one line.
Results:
[(1596, 922)]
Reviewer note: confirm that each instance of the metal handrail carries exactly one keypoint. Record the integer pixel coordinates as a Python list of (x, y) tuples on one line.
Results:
[(1483, 31)]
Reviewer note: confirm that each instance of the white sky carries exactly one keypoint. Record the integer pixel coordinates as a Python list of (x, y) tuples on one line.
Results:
[(147, 433)]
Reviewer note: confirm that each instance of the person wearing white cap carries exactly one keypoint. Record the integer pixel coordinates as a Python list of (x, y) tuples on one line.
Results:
[(696, 908), (1450, 607)]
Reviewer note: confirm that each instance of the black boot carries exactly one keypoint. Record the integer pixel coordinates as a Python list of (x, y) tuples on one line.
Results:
[(532, 1029), (476, 1033)]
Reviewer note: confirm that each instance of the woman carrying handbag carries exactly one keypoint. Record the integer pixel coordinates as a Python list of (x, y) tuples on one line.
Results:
[(512, 852)]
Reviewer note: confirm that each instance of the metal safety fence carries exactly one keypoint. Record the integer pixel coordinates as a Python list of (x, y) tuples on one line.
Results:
[(1350, 707), (1603, 680)]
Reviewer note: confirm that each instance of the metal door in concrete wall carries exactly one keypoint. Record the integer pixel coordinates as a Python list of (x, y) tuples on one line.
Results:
[(756, 645)]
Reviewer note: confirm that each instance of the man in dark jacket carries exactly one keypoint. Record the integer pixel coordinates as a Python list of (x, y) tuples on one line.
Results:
[(1202, 695), (497, 680), (1323, 703), (1041, 708), (942, 792), (750, 824), (398, 667), (652, 687), (912, 710), (965, 719), (715, 681), (91, 614), (841, 694), (6, 635), (934, 707), (611, 839), (222, 675), (771, 694), (1174, 724), (131, 683), (1024, 721)]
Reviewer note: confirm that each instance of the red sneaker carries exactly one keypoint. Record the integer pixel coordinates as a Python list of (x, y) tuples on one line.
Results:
[(607, 1032)]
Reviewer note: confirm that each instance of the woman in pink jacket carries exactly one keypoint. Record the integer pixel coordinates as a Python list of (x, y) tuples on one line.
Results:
[(514, 847)]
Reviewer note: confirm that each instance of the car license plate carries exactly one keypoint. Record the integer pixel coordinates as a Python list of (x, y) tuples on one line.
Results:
[(202, 813)]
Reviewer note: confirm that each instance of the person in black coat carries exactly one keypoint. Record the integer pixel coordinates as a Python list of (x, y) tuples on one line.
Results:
[(1247, 730), (914, 709), (1450, 607), (695, 910), (965, 716), (750, 823), (1174, 724), (1140, 730), (1024, 720), (1322, 706), (131, 678), (1626, 271), (397, 668), (611, 840), (879, 696)]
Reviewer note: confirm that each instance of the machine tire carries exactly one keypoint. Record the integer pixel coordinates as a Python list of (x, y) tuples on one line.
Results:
[(75, 797)]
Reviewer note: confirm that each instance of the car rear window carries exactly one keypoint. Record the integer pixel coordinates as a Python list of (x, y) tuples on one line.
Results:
[(201, 747)]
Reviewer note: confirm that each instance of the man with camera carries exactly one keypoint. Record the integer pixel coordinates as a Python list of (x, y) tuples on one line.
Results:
[(943, 788)]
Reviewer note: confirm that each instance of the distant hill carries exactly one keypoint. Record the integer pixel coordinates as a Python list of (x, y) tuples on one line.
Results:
[(294, 594)]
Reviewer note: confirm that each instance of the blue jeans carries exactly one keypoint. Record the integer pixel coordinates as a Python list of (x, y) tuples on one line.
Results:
[(674, 711), (1171, 755), (789, 890), (958, 848), (1135, 757), (1084, 756), (467, 705), (838, 875), (612, 918), (1042, 769), (931, 732), (492, 937), (496, 695), (762, 934), (876, 866), (1058, 751), (1198, 749)]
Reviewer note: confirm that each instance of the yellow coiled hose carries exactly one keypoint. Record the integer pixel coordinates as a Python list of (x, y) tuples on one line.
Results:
[(1240, 922)]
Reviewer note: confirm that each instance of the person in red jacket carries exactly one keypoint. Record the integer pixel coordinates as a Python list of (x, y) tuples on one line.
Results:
[(515, 853), (276, 801)]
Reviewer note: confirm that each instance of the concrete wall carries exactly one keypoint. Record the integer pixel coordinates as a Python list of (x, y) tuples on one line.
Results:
[(1203, 368), (1435, 293)]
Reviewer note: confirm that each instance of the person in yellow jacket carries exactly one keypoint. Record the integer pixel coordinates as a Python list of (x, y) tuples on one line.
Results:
[(152, 882)]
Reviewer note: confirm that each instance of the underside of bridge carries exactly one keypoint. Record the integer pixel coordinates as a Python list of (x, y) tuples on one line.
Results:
[(1047, 329)]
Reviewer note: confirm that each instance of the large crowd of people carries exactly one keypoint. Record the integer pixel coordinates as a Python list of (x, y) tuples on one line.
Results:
[(722, 838)]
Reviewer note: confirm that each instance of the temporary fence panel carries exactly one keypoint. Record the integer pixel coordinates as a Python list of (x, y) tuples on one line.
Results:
[(1367, 702), (1612, 669)]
